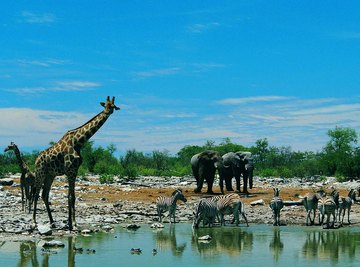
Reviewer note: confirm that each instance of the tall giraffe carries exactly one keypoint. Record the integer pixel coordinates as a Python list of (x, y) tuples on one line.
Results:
[(27, 178), (64, 158)]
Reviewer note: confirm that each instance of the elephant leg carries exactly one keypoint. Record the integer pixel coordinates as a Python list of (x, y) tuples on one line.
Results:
[(237, 178), (221, 184), (210, 185), (210, 180), (245, 181), (228, 184), (199, 185)]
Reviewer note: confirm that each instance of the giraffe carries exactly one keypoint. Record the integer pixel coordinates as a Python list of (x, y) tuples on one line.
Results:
[(27, 178), (64, 158)]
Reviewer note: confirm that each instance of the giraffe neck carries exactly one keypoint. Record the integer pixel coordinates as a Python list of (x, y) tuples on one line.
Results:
[(21, 162), (85, 132)]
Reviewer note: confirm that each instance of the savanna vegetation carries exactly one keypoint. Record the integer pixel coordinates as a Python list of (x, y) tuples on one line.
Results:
[(339, 157)]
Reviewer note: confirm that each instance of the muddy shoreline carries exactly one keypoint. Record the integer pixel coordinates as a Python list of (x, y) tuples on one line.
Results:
[(100, 207)]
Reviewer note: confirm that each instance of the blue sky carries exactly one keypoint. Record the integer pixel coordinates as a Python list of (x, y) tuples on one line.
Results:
[(183, 72)]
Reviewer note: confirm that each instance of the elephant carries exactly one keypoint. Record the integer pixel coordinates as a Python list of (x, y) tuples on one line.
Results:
[(236, 165), (204, 166), (249, 170)]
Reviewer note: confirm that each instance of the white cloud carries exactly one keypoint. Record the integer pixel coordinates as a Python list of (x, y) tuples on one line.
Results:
[(328, 109), (294, 123), (201, 27), (42, 63), (36, 127), (156, 72), (61, 86), (37, 18), (237, 101)]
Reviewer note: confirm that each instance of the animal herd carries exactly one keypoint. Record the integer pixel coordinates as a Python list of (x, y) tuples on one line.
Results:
[(208, 210), (64, 158)]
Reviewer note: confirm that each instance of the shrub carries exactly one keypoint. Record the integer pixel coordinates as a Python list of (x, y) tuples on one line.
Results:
[(106, 179)]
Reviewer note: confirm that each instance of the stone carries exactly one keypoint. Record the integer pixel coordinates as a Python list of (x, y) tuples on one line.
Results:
[(44, 229), (259, 202), (156, 225), (53, 244), (132, 226), (6, 181), (205, 237)]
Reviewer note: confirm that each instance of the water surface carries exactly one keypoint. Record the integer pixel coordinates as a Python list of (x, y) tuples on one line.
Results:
[(179, 246)]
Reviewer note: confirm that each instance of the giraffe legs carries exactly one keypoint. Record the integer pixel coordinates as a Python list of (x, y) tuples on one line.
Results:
[(45, 197), (71, 201)]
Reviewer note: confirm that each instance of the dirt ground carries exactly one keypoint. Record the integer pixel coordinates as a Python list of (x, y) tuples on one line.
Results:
[(113, 194)]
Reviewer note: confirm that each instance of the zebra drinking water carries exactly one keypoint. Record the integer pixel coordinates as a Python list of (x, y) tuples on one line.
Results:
[(230, 204), (164, 204), (276, 204), (206, 211)]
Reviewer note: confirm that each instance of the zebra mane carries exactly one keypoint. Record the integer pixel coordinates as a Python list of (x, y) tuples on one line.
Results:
[(176, 191)]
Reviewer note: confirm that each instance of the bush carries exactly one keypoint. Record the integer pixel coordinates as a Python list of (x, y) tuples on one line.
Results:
[(106, 179)]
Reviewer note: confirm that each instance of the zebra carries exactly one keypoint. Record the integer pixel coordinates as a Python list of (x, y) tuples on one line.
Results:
[(345, 204), (276, 204), (310, 203), (206, 211), (230, 204), (164, 204), (327, 206)]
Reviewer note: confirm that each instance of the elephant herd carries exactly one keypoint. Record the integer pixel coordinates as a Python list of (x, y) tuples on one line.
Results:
[(231, 165)]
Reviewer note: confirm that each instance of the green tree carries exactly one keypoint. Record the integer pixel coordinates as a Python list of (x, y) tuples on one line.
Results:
[(339, 151)]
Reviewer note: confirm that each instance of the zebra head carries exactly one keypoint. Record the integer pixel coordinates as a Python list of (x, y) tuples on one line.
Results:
[(276, 191), (178, 195)]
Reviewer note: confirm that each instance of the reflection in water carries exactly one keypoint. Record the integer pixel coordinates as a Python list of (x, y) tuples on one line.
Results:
[(330, 244), (167, 240), (276, 246), (28, 254), (225, 240), (256, 245)]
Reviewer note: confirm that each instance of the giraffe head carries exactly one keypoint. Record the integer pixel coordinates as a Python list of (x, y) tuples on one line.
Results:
[(109, 105), (10, 147)]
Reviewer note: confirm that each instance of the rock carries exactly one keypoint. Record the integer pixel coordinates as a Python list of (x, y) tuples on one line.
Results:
[(44, 229), (86, 232), (107, 227), (259, 202), (156, 225), (110, 220), (54, 244), (205, 237), (6, 181), (132, 226)]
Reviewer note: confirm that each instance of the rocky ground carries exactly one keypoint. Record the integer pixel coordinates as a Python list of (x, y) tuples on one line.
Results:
[(100, 206)]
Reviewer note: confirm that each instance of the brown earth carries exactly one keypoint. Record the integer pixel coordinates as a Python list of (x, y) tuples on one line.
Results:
[(113, 194)]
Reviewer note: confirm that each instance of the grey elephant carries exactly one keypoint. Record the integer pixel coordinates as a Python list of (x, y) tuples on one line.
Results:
[(236, 165), (249, 170), (204, 166)]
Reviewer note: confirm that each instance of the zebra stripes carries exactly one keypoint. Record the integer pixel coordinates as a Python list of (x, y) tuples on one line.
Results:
[(276, 204), (206, 211), (210, 208), (164, 204), (327, 206), (345, 203), (310, 203)]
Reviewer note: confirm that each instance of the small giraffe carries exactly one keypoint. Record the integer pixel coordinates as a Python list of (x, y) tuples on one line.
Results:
[(27, 178), (64, 158)]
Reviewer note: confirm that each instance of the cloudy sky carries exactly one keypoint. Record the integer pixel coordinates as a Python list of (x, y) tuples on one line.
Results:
[(182, 72)]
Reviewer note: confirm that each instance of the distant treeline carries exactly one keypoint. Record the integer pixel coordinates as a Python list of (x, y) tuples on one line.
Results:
[(339, 157)]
